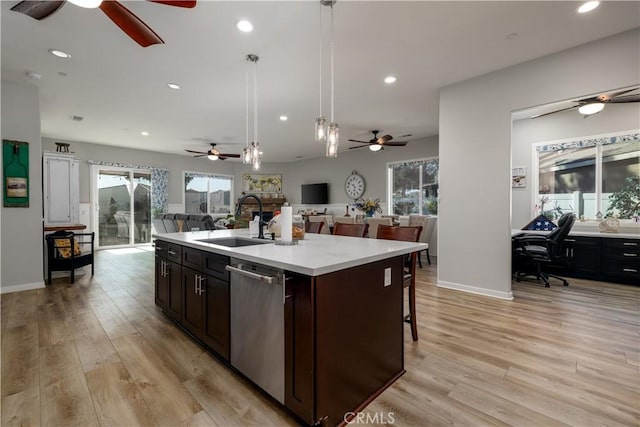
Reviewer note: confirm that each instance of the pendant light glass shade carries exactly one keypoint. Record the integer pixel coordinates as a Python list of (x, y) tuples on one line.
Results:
[(246, 155), (257, 162), (321, 132), (251, 153)]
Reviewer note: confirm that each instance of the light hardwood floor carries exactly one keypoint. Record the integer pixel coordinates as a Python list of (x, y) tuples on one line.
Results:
[(100, 353)]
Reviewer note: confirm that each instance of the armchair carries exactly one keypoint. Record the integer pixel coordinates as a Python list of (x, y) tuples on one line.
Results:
[(537, 252), (67, 251)]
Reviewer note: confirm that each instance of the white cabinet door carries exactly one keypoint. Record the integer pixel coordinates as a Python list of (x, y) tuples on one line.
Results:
[(57, 178)]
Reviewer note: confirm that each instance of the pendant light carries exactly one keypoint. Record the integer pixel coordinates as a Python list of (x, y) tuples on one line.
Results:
[(246, 151), (321, 122), (252, 154), (333, 132)]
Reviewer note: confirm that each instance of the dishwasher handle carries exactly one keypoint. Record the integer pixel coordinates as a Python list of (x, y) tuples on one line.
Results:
[(268, 279)]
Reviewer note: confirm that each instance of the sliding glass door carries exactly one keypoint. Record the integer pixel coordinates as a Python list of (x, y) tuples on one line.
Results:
[(122, 206)]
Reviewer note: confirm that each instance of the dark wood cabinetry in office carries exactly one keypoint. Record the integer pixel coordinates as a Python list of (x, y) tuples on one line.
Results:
[(585, 256), (610, 259)]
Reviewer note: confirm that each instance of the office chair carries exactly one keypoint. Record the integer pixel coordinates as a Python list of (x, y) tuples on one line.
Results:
[(537, 252), (407, 234)]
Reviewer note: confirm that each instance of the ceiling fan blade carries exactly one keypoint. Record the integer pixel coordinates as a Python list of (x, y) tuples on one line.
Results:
[(130, 23), (177, 3), (553, 112), (361, 142), (395, 144), (229, 156), (359, 146), (38, 9), (201, 155), (384, 139), (623, 99), (197, 152)]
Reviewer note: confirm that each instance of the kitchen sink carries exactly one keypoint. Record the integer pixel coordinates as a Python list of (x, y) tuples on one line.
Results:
[(235, 242)]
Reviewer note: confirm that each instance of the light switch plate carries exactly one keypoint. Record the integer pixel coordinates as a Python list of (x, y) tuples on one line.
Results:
[(387, 276)]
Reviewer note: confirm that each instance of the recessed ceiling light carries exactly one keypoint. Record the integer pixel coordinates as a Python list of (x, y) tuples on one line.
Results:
[(588, 6), (59, 53), (144, 133), (390, 79), (244, 26), (173, 86), (284, 118)]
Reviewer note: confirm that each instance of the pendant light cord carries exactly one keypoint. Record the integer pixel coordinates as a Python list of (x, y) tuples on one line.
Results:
[(332, 77), (255, 101), (320, 32), (246, 104)]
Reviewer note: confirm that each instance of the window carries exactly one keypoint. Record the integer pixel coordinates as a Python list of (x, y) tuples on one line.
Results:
[(412, 187), (587, 176), (207, 193)]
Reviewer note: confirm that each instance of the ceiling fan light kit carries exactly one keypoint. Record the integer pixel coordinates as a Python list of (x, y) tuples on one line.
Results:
[(89, 4), (592, 108), (375, 147)]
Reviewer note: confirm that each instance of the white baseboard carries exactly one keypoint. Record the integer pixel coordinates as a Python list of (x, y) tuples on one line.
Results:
[(21, 287), (475, 290)]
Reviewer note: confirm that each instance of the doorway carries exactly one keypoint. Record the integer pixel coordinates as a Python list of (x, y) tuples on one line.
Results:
[(121, 199)]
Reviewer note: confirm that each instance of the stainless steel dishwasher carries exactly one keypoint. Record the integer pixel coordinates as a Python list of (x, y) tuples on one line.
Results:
[(257, 324)]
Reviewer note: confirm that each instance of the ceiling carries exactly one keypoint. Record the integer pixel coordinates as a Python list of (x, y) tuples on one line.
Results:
[(120, 88)]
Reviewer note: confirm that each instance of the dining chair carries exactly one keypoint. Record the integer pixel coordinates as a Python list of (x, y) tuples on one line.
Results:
[(428, 224), (353, 230), (313, 227), (327, 219), (344, 219), (374, 223), (407, 234)]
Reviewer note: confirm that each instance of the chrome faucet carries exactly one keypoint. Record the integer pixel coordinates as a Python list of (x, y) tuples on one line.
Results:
[(260, 223)]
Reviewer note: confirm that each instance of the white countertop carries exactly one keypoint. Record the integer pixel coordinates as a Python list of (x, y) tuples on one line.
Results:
[(315, 255)]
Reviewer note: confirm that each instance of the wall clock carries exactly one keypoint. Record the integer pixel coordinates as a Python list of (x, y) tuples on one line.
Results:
[(355, 185)]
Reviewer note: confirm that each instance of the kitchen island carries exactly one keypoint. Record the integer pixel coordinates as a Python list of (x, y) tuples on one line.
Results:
[(317, 325)]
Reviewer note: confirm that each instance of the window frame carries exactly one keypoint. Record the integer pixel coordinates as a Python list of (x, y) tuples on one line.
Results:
[(597, 140), (210, 175), (389, 168)]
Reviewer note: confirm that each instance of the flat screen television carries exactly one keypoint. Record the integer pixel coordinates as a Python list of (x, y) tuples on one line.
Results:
[(315, 194)]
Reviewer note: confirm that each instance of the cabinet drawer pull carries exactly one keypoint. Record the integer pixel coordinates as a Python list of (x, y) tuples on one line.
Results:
[(626, 254), (630, 270), (569, 240), (629, 244), (171, 252)]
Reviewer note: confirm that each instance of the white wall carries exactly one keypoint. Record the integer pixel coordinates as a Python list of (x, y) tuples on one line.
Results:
[(474, 213), (21, 238), (564, 125)]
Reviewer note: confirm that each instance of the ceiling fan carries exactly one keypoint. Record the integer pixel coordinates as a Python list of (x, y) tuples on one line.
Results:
[(377, 144), (595, 104), (214, 154), (120, 15)]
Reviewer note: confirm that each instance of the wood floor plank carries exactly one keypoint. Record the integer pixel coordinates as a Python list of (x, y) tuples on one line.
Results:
[(22, 408), (168, 399), (116, 397), (92, 343), (20, 355), (64, 396), (201, 419)]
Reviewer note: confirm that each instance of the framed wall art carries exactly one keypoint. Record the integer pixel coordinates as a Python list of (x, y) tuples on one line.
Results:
[(519, 177), (261, 183), (15, 174)]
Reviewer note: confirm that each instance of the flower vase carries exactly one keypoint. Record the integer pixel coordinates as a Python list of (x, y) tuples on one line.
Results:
[(369, 214)]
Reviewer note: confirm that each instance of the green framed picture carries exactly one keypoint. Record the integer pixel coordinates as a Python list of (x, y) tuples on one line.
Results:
[(15, 174)]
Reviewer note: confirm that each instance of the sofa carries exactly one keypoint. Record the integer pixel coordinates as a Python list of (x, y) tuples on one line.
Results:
[(176, 222)]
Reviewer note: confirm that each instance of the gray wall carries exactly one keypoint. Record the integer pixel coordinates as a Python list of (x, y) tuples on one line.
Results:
[(475, 151), (372, 166), (565, 125), (21, 237), (174, 163)]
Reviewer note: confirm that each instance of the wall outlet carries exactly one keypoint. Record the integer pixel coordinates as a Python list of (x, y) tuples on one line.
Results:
[(387, 276)]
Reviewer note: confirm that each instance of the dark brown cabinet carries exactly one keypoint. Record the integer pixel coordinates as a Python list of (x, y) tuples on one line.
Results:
[(298, 339), (622, 260), (162, 283), (168, 289), (585, 256)]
